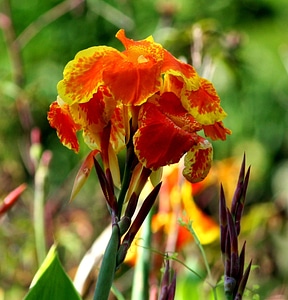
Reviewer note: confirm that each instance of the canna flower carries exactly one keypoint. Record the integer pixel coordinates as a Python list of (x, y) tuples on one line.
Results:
[(144, 95)]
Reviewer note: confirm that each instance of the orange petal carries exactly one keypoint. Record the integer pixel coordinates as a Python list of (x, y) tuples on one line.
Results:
[(60, 118), (114, 166), (179, 69), (197, 161), (137, 76), (216, 131), (129, 43), (118, 130), (171, 106), (84, 74), (93, 116), (204, 104), (158, 141), (172, 84)]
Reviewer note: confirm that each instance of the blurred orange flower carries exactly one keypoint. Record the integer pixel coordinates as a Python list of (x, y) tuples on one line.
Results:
[(176, 202)]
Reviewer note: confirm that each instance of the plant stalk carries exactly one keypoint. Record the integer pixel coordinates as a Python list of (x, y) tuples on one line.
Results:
[(108, 266), (39, 199), (140, 289)]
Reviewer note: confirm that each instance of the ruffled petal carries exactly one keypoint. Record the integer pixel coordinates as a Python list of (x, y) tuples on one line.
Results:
[(197, 161), (216, 131), (118, 132), (94, 116), (172, 84), (158, 141), (204, 104), (138, 75), (84, 74), (91, 117), (59, 117), (171, 106), (181, 70), (129, 43)]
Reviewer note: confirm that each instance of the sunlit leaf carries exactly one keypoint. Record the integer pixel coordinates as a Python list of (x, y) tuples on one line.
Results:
[(51, 281)]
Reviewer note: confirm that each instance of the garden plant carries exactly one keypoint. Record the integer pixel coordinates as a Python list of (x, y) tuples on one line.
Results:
[(162, 191)]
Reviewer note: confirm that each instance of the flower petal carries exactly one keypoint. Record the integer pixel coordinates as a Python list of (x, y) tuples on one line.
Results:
[(84, 74), (60, 118), (95, 114), (216, 131), (197, 161), (90, 116), (118, 133), (158, 141), (138, 76), (204, 104), (179, 69), (171, 106)]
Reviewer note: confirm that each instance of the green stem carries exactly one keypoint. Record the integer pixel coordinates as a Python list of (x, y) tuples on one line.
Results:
[(205, 261), (108, 266), (198, 243), (140, 285), (39, 197), (117, 293), (229, 296), (214, 293)]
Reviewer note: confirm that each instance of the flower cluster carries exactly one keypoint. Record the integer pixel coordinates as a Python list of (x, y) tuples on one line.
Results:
[(142, 95)]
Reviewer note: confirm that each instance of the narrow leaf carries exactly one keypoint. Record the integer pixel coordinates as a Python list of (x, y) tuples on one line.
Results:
[(142, 214), (223, 221), (243, 282), (107, 189), (234, 246), (239, 189)]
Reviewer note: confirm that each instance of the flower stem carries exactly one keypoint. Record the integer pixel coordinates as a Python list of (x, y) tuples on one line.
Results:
[(126, 177), (39, 198), (140, 285), (198, 243), (107, 270), (205, 261)]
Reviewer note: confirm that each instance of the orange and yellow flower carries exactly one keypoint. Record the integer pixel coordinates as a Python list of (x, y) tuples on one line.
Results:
[(143, 93)]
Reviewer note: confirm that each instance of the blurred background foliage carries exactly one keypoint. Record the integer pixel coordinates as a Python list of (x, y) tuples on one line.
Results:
[(240, 45)]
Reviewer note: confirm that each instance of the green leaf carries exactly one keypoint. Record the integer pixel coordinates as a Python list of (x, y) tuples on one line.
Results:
[(51, 281)]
